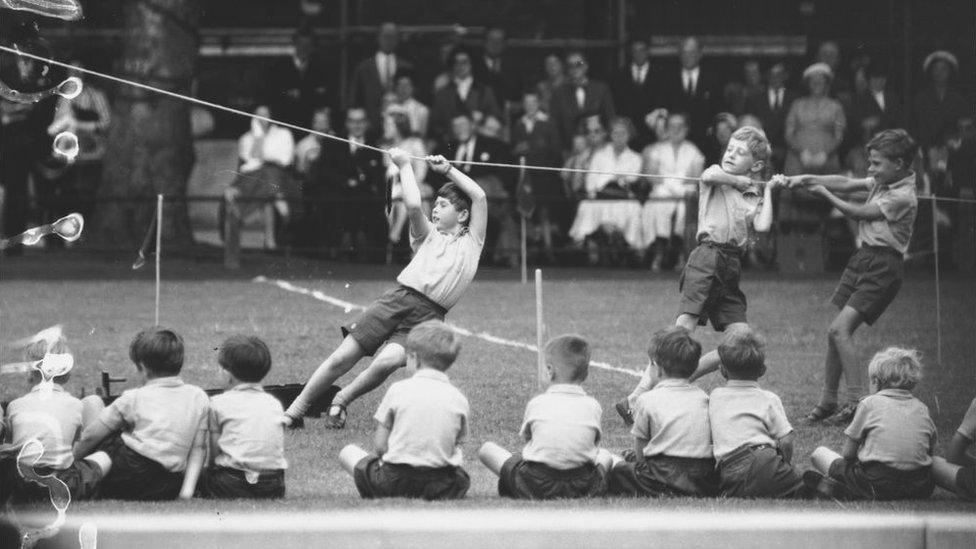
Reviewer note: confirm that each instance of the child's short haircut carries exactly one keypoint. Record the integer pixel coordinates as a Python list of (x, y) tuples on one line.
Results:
[(456, 196), (158, 350), (895, 145), (756, 140), (675, 351), (435, 344), (247, 358), (37, 350), (571, 354), (743, 354), (895, 368)]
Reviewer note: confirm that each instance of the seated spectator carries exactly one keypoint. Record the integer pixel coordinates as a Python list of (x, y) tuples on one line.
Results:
[(265, 153), (939, 106), (590, 138), (771, 106), (498, 69), (555, 75), (737, 94), (308, 149), (717, 137), (417, 113), (664, 215), (535, 139), (879, 100), (397, 134), (578, 98), (464, 93), (611, 207), (956, 472)]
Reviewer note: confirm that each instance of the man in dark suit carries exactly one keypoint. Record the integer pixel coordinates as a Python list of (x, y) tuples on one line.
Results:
[(465, 93), (376, 75), (692, 90), (771, 106), (499, 71), (302, 85), (634, 91), (578, 98), (352, 181), (879, 100), (466, 145)]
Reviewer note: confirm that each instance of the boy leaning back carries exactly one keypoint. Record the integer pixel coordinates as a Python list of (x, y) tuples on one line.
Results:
[(420, 425), (873, 275), (446, 248), (732, 203)]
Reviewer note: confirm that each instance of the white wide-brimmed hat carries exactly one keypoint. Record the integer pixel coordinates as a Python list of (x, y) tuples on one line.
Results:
[(818, 68), (940, 55)]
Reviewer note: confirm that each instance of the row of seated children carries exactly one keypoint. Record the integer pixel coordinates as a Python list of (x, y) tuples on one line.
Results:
[(149, 444), (153, 441)]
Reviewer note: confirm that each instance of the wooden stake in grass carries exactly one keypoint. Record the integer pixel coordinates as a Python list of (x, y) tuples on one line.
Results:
[(159, 246), (540, 336)]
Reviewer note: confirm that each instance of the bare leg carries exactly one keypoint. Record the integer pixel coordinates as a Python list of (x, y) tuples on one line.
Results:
[(687, 321), (945, 473), (606, 460), (832, 374), (268, 213), (232, 231), (339, 362), (841, 332), (102, 460), (647, 382), (493, 456), (91, 407), (710, 361), (350, 455), (388, 361), (822, 458)]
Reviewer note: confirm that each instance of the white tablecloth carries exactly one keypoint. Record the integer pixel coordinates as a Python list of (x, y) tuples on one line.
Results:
[(621, 215)]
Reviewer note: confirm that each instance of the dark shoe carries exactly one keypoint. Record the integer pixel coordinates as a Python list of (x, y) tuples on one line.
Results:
[(819, 413), (336, 418), (623, 408), (843, 416), (820, 486)]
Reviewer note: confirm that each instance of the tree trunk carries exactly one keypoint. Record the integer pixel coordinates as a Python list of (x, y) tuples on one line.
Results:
[(150, 146)]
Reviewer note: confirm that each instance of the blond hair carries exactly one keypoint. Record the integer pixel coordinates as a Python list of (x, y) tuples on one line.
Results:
[(756, 141), (896, 368), (435, 344)]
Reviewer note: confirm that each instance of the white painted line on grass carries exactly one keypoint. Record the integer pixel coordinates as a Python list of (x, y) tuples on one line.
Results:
[(484, 336)]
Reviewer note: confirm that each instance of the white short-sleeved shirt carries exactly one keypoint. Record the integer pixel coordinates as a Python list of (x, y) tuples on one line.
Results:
[(245, 424), (685, 160), (160, 419), (899, 204), (894, 428), (50, 415), (968, 426), (562, 427), (443, 265), (725, 214), (607, 160), (743, 413), (427, 418), (673, 418)]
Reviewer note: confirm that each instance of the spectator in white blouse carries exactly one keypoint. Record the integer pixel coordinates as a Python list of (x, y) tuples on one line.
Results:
[(417, 113), (265, 153), (615, 156)]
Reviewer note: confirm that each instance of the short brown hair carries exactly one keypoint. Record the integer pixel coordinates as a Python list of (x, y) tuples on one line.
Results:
[(756, 141), (158, 350), (570, 353), (743, 354), (675, 351), (895, 145), (435, 344), (247, 358)]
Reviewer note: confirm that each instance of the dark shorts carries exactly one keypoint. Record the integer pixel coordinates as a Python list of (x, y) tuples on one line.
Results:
[(229, 483), (665, 476), (870, 281), (81, 477), (966, 482), (135, 477), (377, 479), (520, 479), (391, 317), (758, 472), (709, 285), (877, 481)]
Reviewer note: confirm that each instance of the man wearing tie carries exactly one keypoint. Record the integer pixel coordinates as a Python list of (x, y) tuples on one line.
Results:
[(465, 93), (376, 75), (879, 100), (634, 92), (771, 106), (693, 91), (578, 98), (500, 72)]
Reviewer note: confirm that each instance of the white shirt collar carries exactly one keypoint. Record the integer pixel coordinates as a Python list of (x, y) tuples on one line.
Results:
[(430, 373), (566, 388)]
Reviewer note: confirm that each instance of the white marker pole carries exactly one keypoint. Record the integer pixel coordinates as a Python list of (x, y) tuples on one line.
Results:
[(938, 292), (543, 375), (524, 248), (159, 246)]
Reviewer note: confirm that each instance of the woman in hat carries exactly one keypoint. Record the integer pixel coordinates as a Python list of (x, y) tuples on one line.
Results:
[(938, 107)]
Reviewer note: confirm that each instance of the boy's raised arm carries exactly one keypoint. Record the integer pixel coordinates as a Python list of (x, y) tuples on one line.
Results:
[(764, 218), (715, 175), (478, 222), (833, 183), (866, 212), (419, 226)]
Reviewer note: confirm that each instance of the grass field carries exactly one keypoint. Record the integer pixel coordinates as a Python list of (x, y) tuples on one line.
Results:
[(102, 303)]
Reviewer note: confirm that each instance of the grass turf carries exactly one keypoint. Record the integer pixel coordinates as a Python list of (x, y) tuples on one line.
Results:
[(102, 303)]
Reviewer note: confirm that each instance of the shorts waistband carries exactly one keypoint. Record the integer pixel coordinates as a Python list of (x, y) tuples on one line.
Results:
[(406, 467), (882, 249), (563, 473), (723, 246), (420, 295), (743, 451), (265, 474)]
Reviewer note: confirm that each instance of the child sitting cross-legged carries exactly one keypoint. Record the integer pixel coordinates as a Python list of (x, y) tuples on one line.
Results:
[(671, 429), (246, 427), (55, 418), (154, 431), (561, 458), (888, 451), (420, 425), (751, 437), (956, 472)]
